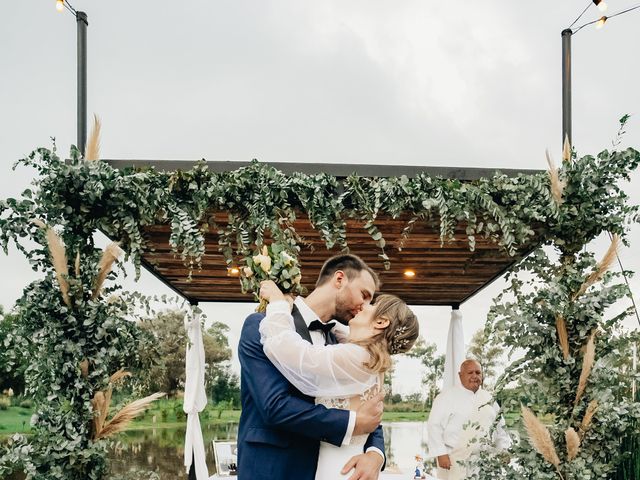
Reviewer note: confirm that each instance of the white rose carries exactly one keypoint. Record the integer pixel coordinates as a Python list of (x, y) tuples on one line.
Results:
[(247, 272), (286, 258), (256, 259), (265, 263)]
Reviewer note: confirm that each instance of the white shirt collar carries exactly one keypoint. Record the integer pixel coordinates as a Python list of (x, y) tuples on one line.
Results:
[(468, 392), (308, 315)]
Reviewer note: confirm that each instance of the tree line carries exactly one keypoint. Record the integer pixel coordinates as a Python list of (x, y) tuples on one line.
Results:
[(161, 358)]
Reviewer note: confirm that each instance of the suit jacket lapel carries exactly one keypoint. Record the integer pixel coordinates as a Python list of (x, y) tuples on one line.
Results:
[(299, 323)]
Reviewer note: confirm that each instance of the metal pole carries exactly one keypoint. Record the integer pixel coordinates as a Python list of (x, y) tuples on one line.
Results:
[(82, 22), (566, 85)]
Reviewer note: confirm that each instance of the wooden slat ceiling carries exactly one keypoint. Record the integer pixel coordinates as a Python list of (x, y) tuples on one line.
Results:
[(444, 275)]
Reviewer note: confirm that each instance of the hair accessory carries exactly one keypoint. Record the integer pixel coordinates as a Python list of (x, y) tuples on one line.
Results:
[(398, 343)]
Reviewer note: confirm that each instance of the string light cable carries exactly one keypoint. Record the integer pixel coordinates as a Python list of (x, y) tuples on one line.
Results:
[(600, 21), (626, 280)]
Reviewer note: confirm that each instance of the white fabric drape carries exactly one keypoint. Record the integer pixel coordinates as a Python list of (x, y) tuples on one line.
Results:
[(195, 398), (317, 371), (455, 353)]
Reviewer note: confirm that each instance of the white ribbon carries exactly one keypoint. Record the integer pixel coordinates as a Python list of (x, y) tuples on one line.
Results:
[(195, 398), (455, 354)]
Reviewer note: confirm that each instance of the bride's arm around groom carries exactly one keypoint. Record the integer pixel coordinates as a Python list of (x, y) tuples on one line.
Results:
[(280, 428)]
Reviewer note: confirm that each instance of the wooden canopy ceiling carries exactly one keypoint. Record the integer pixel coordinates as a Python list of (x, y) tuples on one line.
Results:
[(446, 274)]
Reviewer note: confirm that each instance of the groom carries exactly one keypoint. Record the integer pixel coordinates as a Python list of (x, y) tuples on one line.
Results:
[(280, 428)]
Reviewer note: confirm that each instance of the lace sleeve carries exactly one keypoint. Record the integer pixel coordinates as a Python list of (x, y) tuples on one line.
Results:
[(317, 371)]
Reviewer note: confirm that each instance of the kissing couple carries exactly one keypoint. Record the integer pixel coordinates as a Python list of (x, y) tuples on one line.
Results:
[(312, 377)]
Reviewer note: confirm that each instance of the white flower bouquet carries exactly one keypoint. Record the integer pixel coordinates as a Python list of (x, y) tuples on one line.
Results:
[(271, 262)]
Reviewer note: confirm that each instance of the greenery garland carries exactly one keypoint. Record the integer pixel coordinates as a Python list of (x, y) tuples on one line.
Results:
[(82, 197)]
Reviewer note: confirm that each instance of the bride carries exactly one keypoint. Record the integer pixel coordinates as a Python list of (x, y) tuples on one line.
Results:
[(342, 375)]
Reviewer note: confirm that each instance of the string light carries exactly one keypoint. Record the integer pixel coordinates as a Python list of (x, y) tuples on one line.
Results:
[(601, 21), (62, 4), (409, 273), (601, 4), (233, 271)]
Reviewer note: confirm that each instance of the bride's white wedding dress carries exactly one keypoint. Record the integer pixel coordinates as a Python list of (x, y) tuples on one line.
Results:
[(331, 459), (333, 374)]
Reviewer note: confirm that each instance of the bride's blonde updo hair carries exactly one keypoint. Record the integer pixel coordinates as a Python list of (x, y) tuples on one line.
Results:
[(398, 337)]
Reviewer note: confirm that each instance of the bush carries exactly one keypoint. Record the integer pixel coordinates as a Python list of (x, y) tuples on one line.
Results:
[(26, 403), (5, 403)]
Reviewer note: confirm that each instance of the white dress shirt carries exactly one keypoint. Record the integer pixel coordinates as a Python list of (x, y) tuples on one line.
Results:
[(451, 410), (317, 339)]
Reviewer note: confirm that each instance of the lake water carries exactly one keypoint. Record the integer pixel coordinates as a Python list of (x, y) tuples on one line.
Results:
[(162, 450)]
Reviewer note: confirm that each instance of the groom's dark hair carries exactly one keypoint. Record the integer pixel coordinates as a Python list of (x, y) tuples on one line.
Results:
[(351, 265)]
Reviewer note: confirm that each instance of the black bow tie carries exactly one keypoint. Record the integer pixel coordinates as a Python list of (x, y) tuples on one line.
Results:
[(324, 327)]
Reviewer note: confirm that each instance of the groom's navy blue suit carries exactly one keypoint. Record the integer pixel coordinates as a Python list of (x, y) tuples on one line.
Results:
[(280, 428)]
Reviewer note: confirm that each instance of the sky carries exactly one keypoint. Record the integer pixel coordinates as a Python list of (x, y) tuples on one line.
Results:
[(455, 83)]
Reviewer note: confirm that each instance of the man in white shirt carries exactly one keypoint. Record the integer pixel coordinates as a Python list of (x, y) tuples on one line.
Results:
[(460, 416)]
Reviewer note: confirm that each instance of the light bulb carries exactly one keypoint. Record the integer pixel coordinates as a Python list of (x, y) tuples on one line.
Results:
[(59, 5), (409, 273), (600, 23), (601, 4)]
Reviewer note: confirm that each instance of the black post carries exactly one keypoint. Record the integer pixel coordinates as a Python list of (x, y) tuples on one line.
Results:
[(82, 22), (566, 85)]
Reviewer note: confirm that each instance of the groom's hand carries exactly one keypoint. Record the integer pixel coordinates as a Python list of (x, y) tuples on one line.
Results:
[(367, 466), (369, 415)]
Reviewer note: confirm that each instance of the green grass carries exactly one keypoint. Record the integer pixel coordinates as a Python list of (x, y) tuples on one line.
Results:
[(405, 416), (168, 414), (15, 419)]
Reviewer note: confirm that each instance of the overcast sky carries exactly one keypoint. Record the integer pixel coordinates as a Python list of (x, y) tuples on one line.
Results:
[(452, 83)]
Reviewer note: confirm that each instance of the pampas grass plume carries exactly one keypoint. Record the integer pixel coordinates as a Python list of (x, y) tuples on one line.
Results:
[(588, 416), (119, 375), (566, 149), (587, 364), (59, 261), (39, 223), (92, 150), (557, 185), (110, 255), (84, 368), (603, 266), (121, 420), (573, 443), (539, 437), (77, 265), (99, 408), (563, 337)]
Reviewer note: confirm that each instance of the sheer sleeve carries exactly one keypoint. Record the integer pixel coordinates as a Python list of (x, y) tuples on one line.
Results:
[(317, 371), (341, 332)]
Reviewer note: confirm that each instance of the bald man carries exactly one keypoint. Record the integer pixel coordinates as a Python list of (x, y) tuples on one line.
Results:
[(460, 416)]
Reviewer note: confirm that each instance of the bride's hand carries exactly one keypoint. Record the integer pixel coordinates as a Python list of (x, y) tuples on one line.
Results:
[(270, 291)]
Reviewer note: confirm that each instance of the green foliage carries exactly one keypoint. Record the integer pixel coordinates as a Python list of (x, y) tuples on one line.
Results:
[(12, 364), (164, 351), (547, 383), (80, 198), (432, 364), (272, 262), (64, 336), (487, 350)]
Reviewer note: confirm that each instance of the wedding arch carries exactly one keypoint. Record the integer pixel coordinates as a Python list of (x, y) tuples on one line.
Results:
[(456, 230)]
